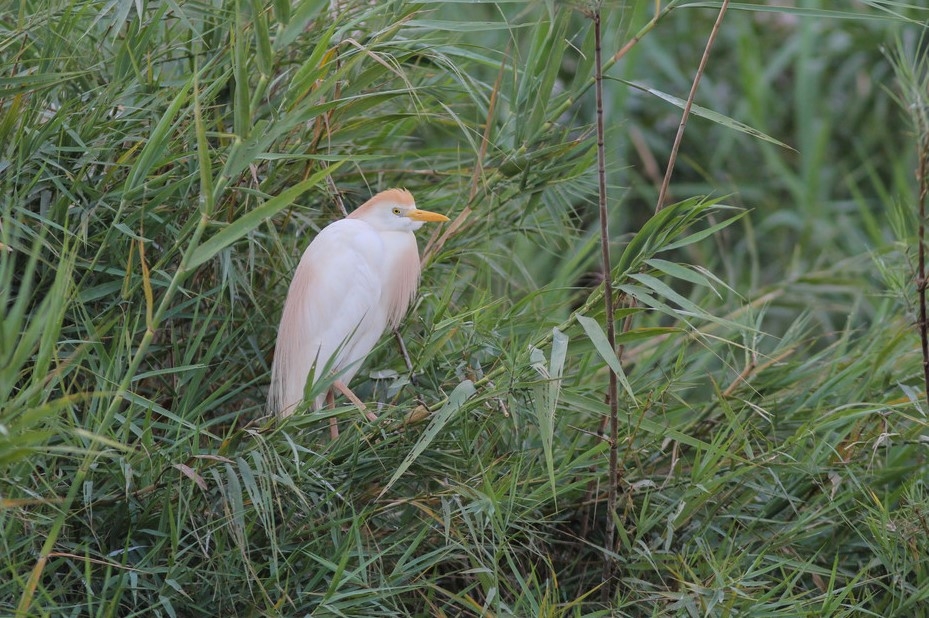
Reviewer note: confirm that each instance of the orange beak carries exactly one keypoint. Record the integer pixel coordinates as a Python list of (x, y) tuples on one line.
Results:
[(425, 215)]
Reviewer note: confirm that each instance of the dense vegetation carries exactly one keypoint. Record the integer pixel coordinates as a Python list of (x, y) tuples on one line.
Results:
[(163, 165)]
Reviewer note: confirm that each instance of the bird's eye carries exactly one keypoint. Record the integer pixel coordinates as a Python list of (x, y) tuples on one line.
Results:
[(396, 211)]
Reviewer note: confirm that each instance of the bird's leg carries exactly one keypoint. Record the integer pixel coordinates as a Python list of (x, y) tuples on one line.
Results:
[(406, 356), (333, 423), (345, 390)]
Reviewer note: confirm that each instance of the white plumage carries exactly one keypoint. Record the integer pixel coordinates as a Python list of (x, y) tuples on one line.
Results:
[(355, 280)]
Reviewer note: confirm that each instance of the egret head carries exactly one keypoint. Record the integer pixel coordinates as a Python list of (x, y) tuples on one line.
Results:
[(394, 211)]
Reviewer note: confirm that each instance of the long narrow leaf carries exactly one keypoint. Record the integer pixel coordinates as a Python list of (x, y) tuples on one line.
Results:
[(248, 222), (459, 396), (597, 337), (708, 114)]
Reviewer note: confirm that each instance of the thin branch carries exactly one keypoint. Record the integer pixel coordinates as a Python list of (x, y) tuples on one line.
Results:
[(922, 178), (612, 392), (404, 352), (659, 13), (690, 100)]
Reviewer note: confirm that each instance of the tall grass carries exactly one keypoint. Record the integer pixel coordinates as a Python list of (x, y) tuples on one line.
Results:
[(162, 167)]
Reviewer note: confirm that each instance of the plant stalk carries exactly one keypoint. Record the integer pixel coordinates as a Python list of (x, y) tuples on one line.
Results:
[(672, 159), (922, 178), (608, 562)]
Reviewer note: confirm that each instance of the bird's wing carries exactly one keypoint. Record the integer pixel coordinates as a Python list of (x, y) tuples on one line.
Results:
[(332, 314)]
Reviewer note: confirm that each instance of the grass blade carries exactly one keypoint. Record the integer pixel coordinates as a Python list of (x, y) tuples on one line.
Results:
[(456, 399)]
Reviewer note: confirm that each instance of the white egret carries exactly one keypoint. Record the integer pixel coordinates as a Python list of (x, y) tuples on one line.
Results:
[(355, 280)]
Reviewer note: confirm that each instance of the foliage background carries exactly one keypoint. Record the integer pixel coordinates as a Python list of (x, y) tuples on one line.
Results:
[(164, 164)]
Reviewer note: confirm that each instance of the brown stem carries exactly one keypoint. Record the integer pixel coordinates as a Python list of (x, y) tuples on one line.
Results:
[(608, 563), (690, 101), (922, 177), (404, 352)]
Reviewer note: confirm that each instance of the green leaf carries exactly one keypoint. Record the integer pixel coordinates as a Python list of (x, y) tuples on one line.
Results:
[(303, 14), (815, 13), (697, 275), (650, 237), (708, 114), (248, 222), (704, 233), (665, 290), (457, 399), (264, 56), (547, 395), (679, 271), (605, 350), (645, 332), (462, 25), (157, 143), (241, 53)]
